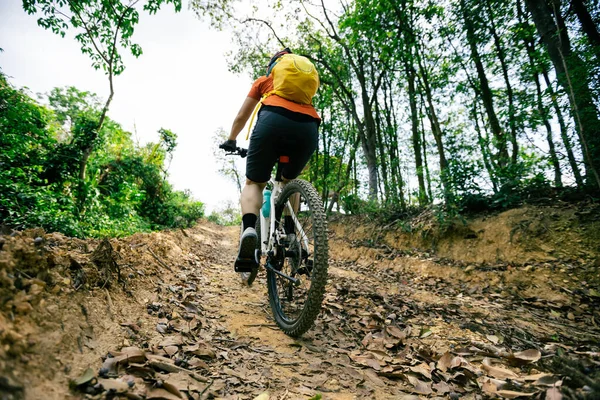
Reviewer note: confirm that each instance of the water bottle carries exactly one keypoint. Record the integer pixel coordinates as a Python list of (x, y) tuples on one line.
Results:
[(266, 207)]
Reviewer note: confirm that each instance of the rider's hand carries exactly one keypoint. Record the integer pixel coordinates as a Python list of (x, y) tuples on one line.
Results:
[(229, 145)]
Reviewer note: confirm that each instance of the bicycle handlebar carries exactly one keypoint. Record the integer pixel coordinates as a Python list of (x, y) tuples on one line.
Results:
[(238, 151)]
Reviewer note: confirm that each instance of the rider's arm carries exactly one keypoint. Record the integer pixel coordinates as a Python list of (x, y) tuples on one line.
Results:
[(242, 117)]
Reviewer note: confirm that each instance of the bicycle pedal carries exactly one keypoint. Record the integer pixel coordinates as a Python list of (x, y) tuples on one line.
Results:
[(245, 265)]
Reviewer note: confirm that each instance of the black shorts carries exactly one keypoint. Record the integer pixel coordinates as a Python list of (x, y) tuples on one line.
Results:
[(279, 132)]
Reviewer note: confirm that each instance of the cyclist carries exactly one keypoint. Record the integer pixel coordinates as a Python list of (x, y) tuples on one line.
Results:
[(283, 127)]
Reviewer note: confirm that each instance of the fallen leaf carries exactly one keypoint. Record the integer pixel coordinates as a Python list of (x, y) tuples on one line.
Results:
[(531, 378), (396, 332), (373, 378), (161, 394), (86, 377), (489, 387), (493, 338), (444, 362), (172, 388), (116, 385), (553, 394), (510, 394), (441, 387), (420, 387), (457, 362), (422, 369), (354, 373), (197, 363), (531, 355), (548, 380), (171, 350), (129, 355), (497, 372), (263, 396), (368, 361)]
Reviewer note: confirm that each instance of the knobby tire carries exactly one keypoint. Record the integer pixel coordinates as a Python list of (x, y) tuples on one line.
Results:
[(312, 306)]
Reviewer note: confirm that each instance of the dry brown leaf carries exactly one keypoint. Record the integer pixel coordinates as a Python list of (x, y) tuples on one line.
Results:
[(354, 373), (531, 355), (367, 360), (457, 362), (174, 340), (238, 374), (373, 378), (489, 387), (444, 362), (441, 387), (497, 372), (553, 394), (161, 394), (116, 385), (371, 362), (171, 350), (420, 387), (197, 363), (130, 355), (531, 378), (172, 388), (493, 338), (396, 332), (510, 394), (422, 369), (548, 380)]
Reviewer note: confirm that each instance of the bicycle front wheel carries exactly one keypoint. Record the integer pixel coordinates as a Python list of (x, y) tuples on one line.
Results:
[(302, 256)]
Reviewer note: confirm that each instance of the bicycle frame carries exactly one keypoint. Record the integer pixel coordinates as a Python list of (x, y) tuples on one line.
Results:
[(270, 236)]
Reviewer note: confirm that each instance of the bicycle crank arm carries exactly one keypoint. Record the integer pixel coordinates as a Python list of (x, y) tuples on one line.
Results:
[(295, 281)]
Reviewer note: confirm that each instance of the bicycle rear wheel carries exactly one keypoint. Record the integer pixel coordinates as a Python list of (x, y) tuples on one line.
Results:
[(303, 257)]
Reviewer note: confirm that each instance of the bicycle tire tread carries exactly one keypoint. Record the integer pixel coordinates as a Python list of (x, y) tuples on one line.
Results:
[(312, 306)]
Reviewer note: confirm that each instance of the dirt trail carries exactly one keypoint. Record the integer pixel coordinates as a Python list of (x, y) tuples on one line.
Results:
[(393, 325)]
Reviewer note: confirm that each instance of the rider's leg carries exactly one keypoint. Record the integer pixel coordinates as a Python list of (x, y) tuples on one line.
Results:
[(251, 201)]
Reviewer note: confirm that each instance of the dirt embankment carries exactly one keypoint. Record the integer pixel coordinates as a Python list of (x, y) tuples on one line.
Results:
[(505, 305), (530, 234)]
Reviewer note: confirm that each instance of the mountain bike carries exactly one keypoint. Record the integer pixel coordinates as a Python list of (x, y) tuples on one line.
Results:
[(292, 246)]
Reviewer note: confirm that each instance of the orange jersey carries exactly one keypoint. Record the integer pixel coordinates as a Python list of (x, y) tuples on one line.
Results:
[(264, 85)]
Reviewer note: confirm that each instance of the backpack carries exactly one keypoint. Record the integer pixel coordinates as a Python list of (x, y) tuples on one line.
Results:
[(295, 78)]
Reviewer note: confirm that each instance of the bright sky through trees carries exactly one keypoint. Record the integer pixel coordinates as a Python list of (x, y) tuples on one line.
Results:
[(180, 82)]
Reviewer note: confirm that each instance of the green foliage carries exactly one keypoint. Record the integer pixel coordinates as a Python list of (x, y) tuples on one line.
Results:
[(126, 190), (102, 27), (227, 215)]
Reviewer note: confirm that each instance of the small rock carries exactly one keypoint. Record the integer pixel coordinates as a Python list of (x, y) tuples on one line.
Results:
[(38, 241)]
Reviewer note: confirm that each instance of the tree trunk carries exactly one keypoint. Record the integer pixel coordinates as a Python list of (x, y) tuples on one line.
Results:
[(587, 24), (564, 133), (436, 130), (382, 155), (542, 111), (425, 162), (573, 76), (486, 93), (483, 147), (416, 137), (509, 91), (397, 179)]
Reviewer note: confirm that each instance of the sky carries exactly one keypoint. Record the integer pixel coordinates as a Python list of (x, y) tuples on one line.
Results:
[(181, 82)]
